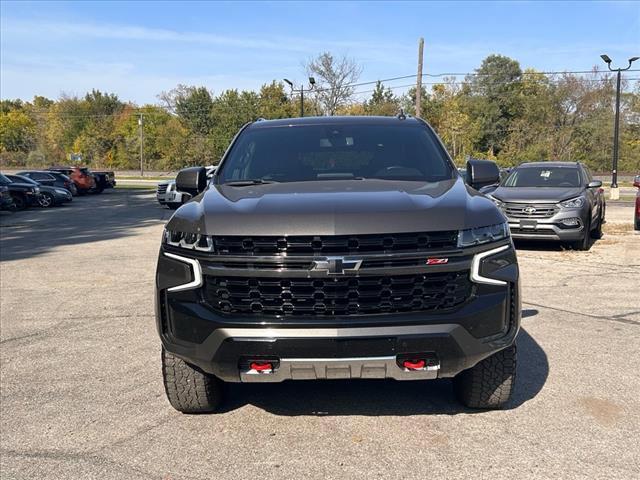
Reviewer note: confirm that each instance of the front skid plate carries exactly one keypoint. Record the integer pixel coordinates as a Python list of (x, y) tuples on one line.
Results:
[(339, 368)]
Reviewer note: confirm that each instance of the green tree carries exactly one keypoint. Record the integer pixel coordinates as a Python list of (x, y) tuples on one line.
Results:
[(17, 131), (274, 102), (495, 91), (382, 101)]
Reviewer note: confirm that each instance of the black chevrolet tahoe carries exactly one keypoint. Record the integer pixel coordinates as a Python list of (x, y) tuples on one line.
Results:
[(337, 248)]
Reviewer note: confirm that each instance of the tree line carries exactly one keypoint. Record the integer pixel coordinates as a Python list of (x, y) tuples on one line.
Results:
[(499, 111)]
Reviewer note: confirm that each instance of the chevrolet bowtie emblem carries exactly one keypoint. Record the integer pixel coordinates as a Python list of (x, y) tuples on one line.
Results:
[(336, 265)]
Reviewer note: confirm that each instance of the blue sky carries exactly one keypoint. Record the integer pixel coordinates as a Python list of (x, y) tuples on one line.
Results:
[(138, 50)]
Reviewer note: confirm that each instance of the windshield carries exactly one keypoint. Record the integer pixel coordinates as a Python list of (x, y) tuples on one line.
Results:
[(543, 177), (336, 152)]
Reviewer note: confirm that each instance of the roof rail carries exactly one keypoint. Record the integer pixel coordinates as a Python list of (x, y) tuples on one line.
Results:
[(401, 115), (260, 119)]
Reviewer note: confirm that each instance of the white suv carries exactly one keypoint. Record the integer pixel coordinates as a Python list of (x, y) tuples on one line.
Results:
[(166, 193)]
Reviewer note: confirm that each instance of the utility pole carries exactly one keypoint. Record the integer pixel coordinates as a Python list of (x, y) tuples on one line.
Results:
[(302, 100), (615, 191), (419, 79), (141, 130)]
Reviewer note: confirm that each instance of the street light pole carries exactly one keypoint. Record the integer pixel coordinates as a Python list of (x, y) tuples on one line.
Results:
[(616, 135), (302, 100), (312, 82), (140, 125), (615, 192)]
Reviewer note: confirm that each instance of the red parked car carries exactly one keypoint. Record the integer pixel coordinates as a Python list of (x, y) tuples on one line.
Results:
[(636, 183), (81, 176)]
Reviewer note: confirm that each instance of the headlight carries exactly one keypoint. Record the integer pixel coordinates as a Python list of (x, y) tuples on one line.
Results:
[(573, 203), (36, 190), (189, 241), (498, 203), (61, 191), (480, 235)]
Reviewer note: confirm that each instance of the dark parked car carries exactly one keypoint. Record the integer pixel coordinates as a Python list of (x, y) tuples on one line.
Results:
[(337, 247), (553, 201), (23, 194), (6, 202), (636, 183), (49, 196), (104, 179), (51, 179)]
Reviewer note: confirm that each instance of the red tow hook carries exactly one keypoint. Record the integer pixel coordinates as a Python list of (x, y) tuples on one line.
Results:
[(263, 367), (414, 364)]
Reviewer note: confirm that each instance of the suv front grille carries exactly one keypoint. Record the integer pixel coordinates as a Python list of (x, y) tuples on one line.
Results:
[(337, 295), (517, 210), (162, 188), (335, 245)]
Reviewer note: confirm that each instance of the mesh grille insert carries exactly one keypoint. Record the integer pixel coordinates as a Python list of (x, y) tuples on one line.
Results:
[(337, 295), (335, 245)]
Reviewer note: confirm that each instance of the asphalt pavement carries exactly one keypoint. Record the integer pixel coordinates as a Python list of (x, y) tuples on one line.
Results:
[(81, 394)]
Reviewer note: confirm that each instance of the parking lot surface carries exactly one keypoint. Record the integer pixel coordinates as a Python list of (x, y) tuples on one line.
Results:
[(81, 392)]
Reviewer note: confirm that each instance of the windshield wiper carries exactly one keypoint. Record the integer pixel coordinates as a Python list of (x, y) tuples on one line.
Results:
[(248, 182)]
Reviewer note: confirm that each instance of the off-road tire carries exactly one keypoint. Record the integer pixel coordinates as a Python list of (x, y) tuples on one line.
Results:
[(189, 389), (490, 383)]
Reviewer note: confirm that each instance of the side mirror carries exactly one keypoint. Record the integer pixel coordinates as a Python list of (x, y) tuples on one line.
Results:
[(192, 180), (481, 173), (595, 184)]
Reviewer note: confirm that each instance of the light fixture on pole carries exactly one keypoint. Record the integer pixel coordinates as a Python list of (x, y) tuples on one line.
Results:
[(312, 83), (615, 192)]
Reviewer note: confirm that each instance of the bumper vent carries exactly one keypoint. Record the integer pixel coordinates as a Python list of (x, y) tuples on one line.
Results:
[(336, 245), (339, 295)]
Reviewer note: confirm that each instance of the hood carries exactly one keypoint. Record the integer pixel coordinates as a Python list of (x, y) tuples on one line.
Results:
[(338, 207), (536, 194), (22, 185)]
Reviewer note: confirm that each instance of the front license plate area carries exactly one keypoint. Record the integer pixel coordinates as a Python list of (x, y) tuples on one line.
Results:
[(528, 224)]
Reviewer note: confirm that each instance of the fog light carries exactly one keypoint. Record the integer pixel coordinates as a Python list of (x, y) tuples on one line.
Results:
[(571, 222)]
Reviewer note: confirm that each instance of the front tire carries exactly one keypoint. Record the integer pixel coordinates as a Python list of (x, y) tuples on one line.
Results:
[(585, 243), (46, 200), (189, 389), (490, 383), (19, 202), (596, 234)]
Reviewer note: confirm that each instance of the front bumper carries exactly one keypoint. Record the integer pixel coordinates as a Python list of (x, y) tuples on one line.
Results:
[(6, 201), (322, 346), (169, 197), (62, 198)]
